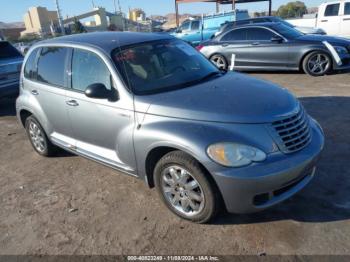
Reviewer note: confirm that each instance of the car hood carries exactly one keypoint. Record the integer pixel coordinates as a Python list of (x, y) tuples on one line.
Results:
[(330, 39), (310, 30), (231, 98)]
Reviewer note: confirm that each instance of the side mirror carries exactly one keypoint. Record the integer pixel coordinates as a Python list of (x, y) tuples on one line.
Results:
[(99, 91), (277, 39), (178, 31)]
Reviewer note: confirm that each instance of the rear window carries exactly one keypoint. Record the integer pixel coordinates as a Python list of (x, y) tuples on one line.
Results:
[(8, 51), (30, 66), (51, 65), (332, 10)]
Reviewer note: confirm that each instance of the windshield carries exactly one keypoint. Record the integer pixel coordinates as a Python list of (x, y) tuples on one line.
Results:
[(161, 66), (8, 51), (287, 31)]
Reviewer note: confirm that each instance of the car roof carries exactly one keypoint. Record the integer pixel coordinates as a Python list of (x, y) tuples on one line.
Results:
[(108, 41), (252, 19), (265, 24)]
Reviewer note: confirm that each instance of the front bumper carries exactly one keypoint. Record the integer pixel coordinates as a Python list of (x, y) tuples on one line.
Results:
[(262, 185), (345, 62)]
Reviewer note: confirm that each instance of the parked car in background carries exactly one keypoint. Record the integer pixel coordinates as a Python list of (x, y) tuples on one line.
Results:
[(333, 17), (153, 107), (196, 30), (22, 47), (306, 30), (10, 66), (275, 46)]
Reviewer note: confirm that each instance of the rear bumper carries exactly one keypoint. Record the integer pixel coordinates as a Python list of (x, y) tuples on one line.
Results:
[(9, 90), (259, 186)]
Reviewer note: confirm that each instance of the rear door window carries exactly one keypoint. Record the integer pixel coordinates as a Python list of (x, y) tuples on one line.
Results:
[(51, 66), (332, 10), (347, 9), (235, 35), (30, 66), (259, 34), (87, 69)]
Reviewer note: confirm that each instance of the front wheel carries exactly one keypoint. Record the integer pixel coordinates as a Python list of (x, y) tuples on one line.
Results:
[(317, 63), (185, 188)]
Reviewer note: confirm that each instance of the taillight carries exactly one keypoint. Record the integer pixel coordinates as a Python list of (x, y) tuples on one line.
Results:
[(199, 47)]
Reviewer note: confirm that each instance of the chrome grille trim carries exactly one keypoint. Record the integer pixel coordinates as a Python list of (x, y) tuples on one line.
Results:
[(292, 133)]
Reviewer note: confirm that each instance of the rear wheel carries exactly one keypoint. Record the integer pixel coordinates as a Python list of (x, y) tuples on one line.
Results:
[(317, 63), (219, 61), (185, 188), (38, 137)]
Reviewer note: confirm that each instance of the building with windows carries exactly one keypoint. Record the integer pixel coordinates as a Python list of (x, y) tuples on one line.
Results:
[(39, 21)]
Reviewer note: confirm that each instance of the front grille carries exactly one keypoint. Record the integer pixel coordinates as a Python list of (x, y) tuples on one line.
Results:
[(293, 132)]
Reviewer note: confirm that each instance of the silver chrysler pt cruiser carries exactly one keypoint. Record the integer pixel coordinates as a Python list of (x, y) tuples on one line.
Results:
[(153, 107)]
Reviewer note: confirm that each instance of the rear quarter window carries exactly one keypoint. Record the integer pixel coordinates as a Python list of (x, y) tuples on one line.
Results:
[(30, 66), (51, 66)]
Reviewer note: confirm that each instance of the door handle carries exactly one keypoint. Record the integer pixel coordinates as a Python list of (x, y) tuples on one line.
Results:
[(72, 103), (256, 43), (324, 20), (224, 45), (35, 92), (346, 19)]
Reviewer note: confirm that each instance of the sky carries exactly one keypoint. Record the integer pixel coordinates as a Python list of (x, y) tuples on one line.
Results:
[(13, 10)]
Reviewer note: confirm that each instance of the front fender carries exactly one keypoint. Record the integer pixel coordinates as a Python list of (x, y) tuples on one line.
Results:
[(194, 137)]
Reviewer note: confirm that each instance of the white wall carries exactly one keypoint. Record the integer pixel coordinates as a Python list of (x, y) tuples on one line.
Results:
[(305, 22)]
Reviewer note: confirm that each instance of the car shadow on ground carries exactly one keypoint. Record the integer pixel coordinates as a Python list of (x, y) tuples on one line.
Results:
[(327, 197)]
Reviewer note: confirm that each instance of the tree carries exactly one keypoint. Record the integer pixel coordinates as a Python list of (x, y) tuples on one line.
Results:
[(78, 27), (292, 10)]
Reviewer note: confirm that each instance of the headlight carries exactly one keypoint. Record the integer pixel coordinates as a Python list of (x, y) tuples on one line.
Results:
[(235, 155), (341, 49)]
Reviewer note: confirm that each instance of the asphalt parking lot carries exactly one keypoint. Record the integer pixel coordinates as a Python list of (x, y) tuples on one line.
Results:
[(70, 205)]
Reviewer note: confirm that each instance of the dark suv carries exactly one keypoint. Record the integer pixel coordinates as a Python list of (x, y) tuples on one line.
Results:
[(10, 68)]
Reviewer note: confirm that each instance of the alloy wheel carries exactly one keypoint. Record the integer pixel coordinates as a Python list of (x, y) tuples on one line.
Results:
[(318, 63), (37, 137), (219, 61), (182, 190)]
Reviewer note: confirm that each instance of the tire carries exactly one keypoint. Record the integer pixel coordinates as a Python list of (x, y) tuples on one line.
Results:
[(38, 138), (193, 196), (317, 63), (219, 61)]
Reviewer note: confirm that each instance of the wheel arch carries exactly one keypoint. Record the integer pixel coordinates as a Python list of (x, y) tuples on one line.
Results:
[(305, 54), (23, 115)]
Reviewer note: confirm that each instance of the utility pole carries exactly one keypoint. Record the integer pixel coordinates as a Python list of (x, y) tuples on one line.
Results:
[(59, 16)]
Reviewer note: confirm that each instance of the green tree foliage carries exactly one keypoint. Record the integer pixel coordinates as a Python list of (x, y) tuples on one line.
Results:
[(78, 27), (292, 10)]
